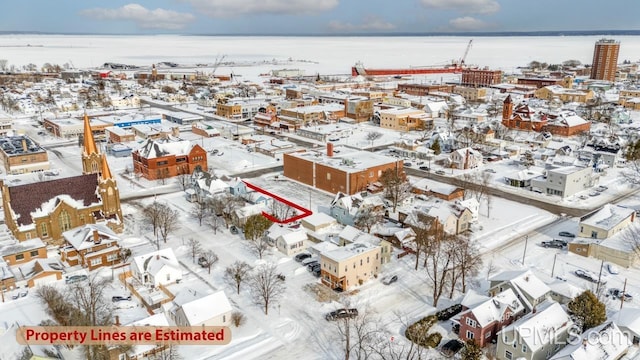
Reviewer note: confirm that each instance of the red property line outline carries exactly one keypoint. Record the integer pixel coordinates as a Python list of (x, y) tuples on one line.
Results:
[(305, 212)]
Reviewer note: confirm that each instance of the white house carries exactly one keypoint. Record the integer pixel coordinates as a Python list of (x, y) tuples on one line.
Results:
[(157, 268), (605, 342), (209, 310), (292, 243), (465, 158)]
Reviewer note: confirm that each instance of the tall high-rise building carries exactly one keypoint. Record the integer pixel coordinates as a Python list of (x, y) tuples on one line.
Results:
[(605, 60)]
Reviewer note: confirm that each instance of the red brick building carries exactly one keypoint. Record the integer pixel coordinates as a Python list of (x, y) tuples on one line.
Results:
[(482, 321), (165, 158), (522, 117), (348, 173), (91, 246), (481, 77)]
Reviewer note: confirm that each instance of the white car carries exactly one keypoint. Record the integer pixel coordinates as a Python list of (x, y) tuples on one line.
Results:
[(612, 269)]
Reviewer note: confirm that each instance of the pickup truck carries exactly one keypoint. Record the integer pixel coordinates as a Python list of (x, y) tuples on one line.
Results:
[(555, 243), (341, 314)]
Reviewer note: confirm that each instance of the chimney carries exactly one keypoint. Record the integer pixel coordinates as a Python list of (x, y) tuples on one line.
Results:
[(117, 321), (24, 145), (534, 310), (330, 149), (157, 256), (466, 160), (584, 343), (96, 237)]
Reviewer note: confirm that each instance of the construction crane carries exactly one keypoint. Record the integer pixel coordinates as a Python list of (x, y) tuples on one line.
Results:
[(466, 52), (217, 63)]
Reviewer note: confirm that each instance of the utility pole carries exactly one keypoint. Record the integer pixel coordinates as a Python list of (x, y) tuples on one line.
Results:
[(599, 277), (526, 241), (624, 290), (553, 268)]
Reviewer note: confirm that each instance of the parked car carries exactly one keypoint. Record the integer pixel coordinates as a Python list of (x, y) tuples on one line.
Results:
[(583, 197), (312, 264), (316, 272), (490, 171), (75, 278), (234, 230), (612, 269), (425, 168), (408, 164), (309, 260), (390, 279), (594, 193), (341, 314), (440, 172), (617, 294), (555, 243), (567, 234), (302, 256), (451, 347), (24, 293), (120, 298), (601, 188), (587, 275), (314, 268)]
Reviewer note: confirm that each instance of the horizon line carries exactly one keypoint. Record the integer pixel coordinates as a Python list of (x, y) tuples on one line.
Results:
[(356, 34)]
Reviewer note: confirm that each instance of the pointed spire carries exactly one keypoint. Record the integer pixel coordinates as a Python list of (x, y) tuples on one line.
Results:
[(106, 172), (89, 142)]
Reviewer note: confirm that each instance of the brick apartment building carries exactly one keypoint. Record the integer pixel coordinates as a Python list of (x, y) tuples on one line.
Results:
[(165, 158), (20, 154), (349, 265), (481, 77), (91, 246), (424, 89), (348, 173)]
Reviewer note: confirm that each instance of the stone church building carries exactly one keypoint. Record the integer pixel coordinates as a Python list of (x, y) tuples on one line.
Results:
[(46, 209)]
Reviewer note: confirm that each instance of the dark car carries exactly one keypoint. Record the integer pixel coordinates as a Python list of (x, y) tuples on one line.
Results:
[(302, 256), (440, 172), (316, 272), (390, 280), (587, 275), (314, 267), (408, 164), (425, 168), (234, 230), (312, 264), (341, 314), (555, 243), (567, 234), (120, 298), (451, 347), (617, 294)]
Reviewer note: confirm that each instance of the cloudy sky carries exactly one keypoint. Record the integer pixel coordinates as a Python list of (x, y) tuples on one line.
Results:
[(315, 16)]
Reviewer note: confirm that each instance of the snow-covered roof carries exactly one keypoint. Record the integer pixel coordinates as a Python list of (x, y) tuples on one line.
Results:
[(607, 217), (493, 309), (472, 299), (14, 246), (83, 237), (152, 149), (565, 289), (206, 307), (525, 280), (348, 251), (628, 317), (537, 328), (605, 342), (159, 319), (156, 260), (295, 236), (348, 160), (318, 219)]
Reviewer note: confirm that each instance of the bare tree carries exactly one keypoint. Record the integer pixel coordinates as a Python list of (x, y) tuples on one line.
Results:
[(631, 237), (227, 204), (373, 136), (423, 228), (266, 286), (184, 180), (152, 215), (367, 217), (358, 335), (236, 273), (210, 258), (199, 210), (254, 230), (281, 211), (467, 261), (168, 222), (169, 353), (438, 261), (396, 186), (214, 222), (194, 247)]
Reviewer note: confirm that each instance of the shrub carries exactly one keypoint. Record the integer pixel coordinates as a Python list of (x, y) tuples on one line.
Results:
[(448, 313), (417, 332), (433, 340), (238, 319)]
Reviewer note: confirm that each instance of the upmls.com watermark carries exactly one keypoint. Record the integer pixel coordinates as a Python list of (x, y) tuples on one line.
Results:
[(573, 336)]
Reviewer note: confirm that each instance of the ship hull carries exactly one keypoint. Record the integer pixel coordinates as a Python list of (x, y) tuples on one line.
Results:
[(416, 71)]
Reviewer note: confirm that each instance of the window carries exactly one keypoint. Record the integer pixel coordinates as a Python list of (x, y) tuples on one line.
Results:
[(469, 335), (96, 261), (524, 348), (112, 257), (64, 220), (360, 262), (594, 234), (224, 318), (43, 229), (328, 176), (19, 256), (508, 355), (471, 322), (487, 335), (168, 277), (34, 253)]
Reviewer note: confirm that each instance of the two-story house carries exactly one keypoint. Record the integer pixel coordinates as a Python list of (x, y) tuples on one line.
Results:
[(528, 288), (482, 322), (91, 246), (346, 208), (349, 265), (536, 336)]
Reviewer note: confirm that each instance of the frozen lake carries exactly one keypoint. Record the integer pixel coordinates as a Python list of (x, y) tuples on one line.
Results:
[(324, 55)]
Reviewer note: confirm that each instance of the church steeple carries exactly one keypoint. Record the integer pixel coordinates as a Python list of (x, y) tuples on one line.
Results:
[(106, 172), (92, 159), (89, 142)]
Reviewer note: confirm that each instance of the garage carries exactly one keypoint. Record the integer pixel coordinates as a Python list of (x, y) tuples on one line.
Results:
[(43, 279)]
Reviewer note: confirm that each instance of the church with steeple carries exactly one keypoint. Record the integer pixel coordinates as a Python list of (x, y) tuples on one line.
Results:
[(46, 209)]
